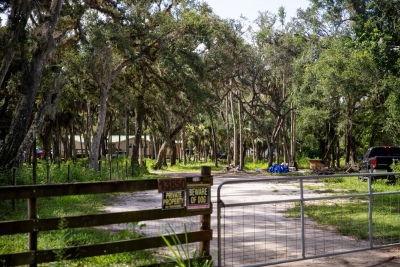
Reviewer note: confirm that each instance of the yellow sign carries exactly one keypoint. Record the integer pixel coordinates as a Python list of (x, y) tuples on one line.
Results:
[(173, 200), (198, 197)]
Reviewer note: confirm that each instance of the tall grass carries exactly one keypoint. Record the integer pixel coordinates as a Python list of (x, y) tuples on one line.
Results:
[(181, 254), (74, 171)]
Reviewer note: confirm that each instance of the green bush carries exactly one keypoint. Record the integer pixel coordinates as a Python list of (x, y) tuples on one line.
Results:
[(396, 168)]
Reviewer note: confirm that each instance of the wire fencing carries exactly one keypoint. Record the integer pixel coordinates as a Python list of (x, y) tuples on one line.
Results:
[(270, 221)]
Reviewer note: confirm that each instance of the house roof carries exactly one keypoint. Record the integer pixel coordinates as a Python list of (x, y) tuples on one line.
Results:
[(114, 138)]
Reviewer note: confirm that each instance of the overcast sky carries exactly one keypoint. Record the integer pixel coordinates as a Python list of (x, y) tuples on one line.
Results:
[(249, 8)]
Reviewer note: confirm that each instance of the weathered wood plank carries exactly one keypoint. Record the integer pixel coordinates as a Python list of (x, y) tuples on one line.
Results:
[(43, 256), (53, 190), (88, 220), (37, 191)]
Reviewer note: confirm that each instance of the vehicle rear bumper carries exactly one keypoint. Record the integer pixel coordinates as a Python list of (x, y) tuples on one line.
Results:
[(379, 171)]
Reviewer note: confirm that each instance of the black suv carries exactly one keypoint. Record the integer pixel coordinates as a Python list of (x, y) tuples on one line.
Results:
[(221, 155)]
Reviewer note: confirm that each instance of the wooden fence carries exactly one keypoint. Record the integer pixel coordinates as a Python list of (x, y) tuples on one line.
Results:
[(32, 225)]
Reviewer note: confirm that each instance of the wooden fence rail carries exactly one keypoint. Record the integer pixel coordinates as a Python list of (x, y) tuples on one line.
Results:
[(32, 225)]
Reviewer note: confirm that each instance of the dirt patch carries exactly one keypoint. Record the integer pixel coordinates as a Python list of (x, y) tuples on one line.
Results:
[(389, 257)]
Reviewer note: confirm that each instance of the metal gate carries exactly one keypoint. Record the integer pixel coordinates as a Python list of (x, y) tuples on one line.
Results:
[(278, 220)]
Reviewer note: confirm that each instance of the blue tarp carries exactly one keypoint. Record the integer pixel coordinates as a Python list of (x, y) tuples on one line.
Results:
[(276, 168)]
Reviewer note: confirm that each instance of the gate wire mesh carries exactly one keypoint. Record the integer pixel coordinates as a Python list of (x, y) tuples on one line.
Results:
[(164, 227), (268, 228), (151, 200)]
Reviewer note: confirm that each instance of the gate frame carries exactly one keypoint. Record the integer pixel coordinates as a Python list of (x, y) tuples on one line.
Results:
[(302, 200)]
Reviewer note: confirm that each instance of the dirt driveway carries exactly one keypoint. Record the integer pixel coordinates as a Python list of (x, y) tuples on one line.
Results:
[(388, 257)]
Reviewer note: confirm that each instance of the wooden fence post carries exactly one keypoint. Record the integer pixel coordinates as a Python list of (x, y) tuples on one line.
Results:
[(32, 211), (205, 220), (205, 170), (204, 246), (32, 236)]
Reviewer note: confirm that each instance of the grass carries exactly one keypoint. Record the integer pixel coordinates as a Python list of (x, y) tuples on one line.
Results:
[(71, 206), (349, 216)]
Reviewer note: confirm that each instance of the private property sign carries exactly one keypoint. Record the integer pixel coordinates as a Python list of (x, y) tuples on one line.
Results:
[(173, 200), (178, 193)]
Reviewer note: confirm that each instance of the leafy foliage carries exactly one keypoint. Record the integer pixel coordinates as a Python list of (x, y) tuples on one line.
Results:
[(181, 253), (323, 84)]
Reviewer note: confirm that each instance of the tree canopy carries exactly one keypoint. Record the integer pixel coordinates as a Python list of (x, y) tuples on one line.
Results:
[(324, 84)]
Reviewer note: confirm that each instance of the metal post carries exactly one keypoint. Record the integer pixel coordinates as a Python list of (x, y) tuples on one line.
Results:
[(110, 170), (117, 169), (14, 181), (69, 173), (126, 169), (371, 244), (303, 238), (219, 234), (48, 174)]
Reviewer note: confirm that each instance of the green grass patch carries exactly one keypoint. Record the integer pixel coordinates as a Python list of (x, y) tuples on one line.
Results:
[(51, 207), (349, 216), (71, 206)]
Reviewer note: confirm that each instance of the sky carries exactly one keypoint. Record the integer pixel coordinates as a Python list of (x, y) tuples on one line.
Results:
[(249, 8)]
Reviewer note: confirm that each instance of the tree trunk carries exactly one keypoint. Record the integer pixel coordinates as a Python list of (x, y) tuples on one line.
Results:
[(293, 135), (20, 12), (278, 148), (214, 142), (173, 153), (270, 154), (30, 81), (161, 157), (127, 132), (89, 127), (154, 146), (338, 153), (72, 151), (104, 79), (228, 136), (235, 134), (184, 147), (241, 148), (94, 152), (138, 129)]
